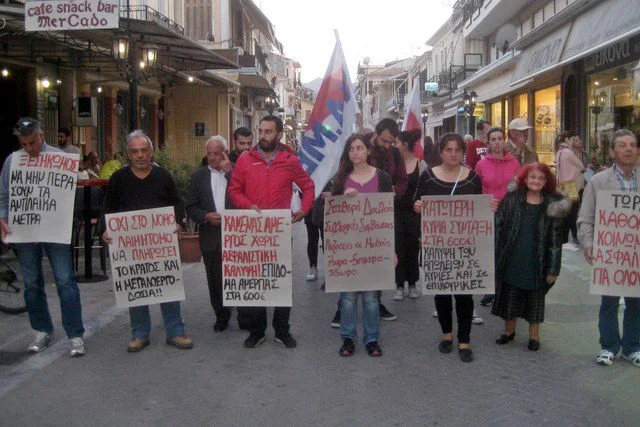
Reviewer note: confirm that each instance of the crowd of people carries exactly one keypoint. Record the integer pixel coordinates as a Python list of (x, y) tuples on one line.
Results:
[(535, 211)]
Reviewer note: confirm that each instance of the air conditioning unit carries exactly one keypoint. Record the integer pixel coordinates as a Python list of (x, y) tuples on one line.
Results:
[(86, 113)]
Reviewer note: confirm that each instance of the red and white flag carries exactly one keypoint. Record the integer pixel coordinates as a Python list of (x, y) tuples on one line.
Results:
[(413, 119)]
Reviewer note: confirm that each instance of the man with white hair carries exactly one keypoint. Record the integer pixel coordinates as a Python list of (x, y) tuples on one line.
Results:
[(144, 185), (206, 201)]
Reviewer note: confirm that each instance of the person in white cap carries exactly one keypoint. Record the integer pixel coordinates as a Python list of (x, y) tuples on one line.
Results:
[(518, 133)]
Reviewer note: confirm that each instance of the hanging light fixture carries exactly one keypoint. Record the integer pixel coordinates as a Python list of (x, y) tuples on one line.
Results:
[(149, 55), (121, 47), (5, 72)]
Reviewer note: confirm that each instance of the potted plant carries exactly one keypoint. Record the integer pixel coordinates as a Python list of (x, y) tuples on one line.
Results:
[(188, 240)]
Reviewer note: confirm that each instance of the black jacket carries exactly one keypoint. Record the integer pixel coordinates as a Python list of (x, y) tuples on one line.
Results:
[(199, 203), (549, 234)]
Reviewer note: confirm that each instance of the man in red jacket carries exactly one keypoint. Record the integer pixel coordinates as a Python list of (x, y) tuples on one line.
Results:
[(263, 179)]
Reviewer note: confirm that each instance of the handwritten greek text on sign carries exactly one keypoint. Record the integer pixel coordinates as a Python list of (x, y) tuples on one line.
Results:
[(358, 243), (64, 15), (145, 259), (256, 258), (616, 245), (41, 194), (457, 245)]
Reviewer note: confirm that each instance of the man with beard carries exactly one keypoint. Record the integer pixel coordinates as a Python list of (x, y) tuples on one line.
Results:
[(242, 141), (262, 179), (64, 142)]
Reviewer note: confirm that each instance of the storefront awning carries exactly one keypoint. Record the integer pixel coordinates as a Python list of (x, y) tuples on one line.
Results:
[(91, 49), (605, 24)]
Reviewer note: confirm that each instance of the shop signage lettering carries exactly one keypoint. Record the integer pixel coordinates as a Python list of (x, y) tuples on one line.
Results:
[(613, 54), (62, 15), (545, 55)]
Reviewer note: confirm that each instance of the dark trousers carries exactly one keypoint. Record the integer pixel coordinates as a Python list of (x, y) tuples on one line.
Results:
[(256, 319), (570, 222), (464, 314), (407, 241), (314, 233), (213, 265)]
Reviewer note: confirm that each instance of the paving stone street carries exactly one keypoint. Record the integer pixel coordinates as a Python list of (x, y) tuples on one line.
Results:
[(219, 382)]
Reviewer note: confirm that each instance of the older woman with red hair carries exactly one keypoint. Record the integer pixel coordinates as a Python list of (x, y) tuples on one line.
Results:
[(529, 231)]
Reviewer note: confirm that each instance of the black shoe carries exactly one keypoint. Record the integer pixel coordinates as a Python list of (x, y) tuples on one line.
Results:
[(386, 314), (335, 323), (505, 339), (254, 340), (348, 347), (374, 350), (465, 354), (486, 300), (220, 326), (445, 346), (534, 345), (286, 340), (323, 286)]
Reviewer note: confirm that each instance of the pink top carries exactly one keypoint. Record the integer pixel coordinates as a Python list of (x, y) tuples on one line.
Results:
[(568, 165), (370, 186), (495, 174)]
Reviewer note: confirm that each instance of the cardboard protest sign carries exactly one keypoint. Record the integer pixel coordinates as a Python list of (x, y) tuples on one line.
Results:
[(145, 259), (616, 245), (359, 243), (256, 258), (457, 245), (42, 190)]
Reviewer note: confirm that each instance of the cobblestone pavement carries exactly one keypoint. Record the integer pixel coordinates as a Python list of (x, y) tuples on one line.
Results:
[(221, 383)]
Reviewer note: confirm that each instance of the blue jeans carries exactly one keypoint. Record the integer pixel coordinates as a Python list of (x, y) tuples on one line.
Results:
[(35, 297), (141, 322), (370, 315), (608, 325)]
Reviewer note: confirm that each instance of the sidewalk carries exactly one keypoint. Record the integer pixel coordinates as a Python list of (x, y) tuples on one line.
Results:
[(221, 383)]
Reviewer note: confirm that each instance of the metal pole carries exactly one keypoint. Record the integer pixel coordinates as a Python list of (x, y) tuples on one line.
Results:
[(133, 88)]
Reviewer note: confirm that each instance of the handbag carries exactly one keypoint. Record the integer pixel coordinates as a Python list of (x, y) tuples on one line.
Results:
[(571, 190)]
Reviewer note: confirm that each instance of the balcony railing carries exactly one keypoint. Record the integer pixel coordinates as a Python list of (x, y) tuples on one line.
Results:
[(146, 13)]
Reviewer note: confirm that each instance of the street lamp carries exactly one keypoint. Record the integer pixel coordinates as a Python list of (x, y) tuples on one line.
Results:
[(469, 99), (270, 103), (597, 106), (425, 117)]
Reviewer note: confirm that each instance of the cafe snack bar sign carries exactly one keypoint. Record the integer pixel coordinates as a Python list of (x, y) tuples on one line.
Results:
[(65, 15)]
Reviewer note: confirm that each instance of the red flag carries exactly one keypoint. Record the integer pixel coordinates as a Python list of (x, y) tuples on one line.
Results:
[(413, 119)]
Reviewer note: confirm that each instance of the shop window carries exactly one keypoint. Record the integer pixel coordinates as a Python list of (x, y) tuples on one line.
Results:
[(520, 107), (546, 122), (614, 103), (496, 114)]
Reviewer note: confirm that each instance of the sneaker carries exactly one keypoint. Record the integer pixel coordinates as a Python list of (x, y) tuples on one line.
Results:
[(182, 342), (399, 296), (287, 340), (335, 323), (477, 320), (76, 347), (136, 345), (435, 313), (413, 292), (386, 314), (571, 247), (41, 341), (312, 274), (254, 340), (605, 358), (633, 358), (486, 300)]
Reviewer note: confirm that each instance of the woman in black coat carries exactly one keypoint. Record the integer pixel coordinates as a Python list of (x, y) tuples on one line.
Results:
[(529, 232)]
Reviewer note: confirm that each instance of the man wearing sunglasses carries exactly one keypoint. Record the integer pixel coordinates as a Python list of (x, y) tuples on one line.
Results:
[(30, 135)]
